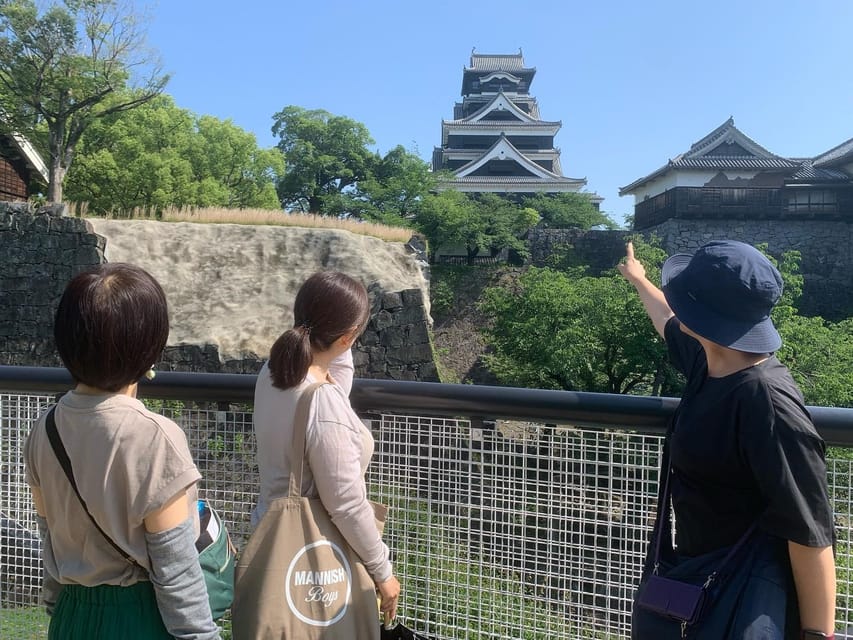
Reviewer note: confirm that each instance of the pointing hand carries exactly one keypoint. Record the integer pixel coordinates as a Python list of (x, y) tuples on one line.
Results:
[(630, 267)]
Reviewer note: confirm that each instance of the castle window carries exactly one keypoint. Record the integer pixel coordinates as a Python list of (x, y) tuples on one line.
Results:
[(733, 196), (802, 200)]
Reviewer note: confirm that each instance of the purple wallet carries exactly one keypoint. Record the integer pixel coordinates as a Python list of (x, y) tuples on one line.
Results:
[(672, 599)]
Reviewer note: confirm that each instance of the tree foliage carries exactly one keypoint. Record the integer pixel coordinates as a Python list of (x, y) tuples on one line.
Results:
[(568, 211), (395, 188), (65, 68), (160, 155), (818, 353), (326, 156), (557, 329), (572, 331), (228, 156), (487, 222), (491, 222)]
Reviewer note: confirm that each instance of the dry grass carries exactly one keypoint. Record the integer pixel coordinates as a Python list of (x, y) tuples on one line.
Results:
[(220, 215)]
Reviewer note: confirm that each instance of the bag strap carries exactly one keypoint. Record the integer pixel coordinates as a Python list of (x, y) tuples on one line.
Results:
[(661, 520), (664, 506), (65, 462), (300, 427)]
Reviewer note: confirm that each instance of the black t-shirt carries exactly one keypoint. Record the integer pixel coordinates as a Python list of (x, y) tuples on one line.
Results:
[(744, 447)]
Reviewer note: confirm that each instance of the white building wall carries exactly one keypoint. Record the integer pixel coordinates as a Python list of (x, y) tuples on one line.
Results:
[(685, 179)]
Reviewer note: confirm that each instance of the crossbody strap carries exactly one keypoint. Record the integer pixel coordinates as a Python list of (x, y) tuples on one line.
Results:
[(661, 523), (65, 462)]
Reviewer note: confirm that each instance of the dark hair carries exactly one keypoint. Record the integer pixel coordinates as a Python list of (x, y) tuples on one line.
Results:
[(111, 325), (328, 305)]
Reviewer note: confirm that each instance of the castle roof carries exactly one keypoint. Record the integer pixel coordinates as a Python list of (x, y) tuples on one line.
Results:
[(841, 154), (499, 103), (503, 149), (726, 147), (481, 62), (517, 184), (498, 65), (811, 173), (28, 152), (498, 127)]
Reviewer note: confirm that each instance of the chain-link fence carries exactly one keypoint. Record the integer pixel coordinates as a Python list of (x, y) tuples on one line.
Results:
[(498, 530)]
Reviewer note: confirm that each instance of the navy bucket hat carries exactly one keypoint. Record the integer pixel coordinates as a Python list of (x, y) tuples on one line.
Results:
[(725, 292)]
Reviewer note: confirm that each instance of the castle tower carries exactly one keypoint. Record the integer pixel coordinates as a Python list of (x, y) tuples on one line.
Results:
[(496, 141)]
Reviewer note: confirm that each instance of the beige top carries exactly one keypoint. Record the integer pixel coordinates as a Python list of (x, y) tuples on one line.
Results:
[(128, 462), (338, 450)]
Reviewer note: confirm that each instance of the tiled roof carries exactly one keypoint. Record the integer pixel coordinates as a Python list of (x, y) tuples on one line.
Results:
[(517, 179), (539, 154), (701, 155), (842, 151), (497, 62), (495, 127), (732, 162), (727, 128), (809, 172), (510, 106), (504, 149), (506, 124)]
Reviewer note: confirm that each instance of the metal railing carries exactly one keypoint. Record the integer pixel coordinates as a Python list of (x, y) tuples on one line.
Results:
[(515, 513)]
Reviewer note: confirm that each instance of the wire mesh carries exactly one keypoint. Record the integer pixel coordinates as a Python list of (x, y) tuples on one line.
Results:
[(497, 530)]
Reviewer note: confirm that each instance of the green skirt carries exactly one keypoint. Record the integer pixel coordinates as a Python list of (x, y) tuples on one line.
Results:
[(107, 612)]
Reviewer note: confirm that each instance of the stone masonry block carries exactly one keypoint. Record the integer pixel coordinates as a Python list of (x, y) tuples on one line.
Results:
[(392, 300), (413, 297)]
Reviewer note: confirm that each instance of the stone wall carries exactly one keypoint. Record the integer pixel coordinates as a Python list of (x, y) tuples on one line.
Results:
[(41, 250), (826, 248), (395, 345), (598, 249)]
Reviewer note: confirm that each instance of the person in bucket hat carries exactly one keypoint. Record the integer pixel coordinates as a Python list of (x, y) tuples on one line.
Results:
[(741, 453)]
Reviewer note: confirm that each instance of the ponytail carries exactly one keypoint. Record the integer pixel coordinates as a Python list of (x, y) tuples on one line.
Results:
[(329, 304), (290, 357)]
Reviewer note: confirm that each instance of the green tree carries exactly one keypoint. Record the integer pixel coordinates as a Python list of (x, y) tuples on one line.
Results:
[(230, 157), (484, 223), (139, 158), (63, 70), (818, 353), (160, 155), (326, 156), (568, 330), (445, 219), (568, 211), (820, 357), (503, 223), (395, 189)]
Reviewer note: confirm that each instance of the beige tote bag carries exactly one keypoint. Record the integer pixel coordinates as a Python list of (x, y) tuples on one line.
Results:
[(298, 578)]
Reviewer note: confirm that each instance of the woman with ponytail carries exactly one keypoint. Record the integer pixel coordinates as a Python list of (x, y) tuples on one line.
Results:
[(330, 312)]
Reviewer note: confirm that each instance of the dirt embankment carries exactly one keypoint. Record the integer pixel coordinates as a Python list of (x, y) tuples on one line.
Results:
[(459, 344)]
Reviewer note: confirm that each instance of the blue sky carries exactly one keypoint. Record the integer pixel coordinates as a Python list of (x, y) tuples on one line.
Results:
[(634, 83)]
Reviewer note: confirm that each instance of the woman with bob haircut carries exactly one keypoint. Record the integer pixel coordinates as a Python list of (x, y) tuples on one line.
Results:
[(132, 467), (330, 312)]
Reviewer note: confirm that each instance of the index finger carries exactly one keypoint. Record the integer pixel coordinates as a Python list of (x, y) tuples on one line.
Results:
[(629, 250)]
